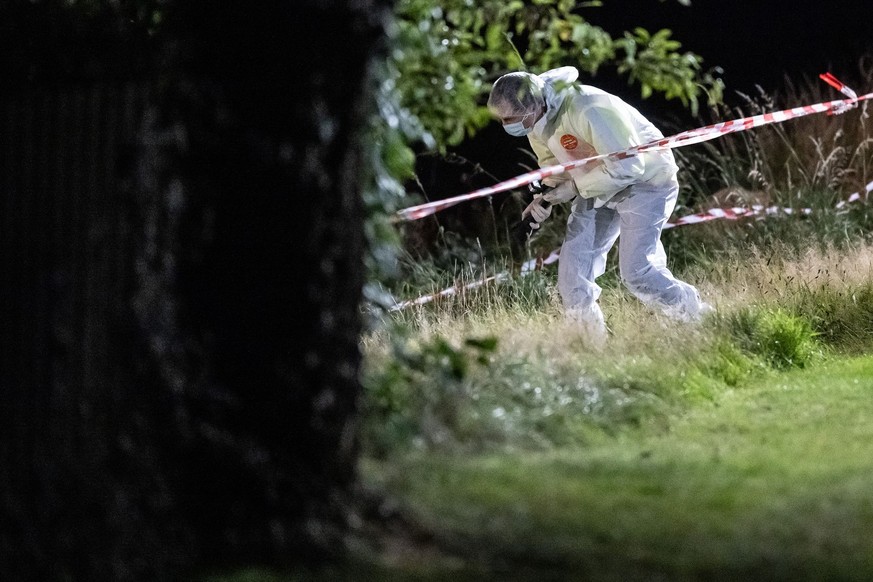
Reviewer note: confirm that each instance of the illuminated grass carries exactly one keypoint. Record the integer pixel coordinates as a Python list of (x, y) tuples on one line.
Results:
[(774, 481)]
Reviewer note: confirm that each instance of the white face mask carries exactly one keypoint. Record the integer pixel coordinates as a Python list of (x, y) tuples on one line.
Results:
[(517, 129)]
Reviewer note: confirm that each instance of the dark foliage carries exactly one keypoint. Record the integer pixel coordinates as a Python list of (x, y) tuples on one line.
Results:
[(50, 41), (181, 275)]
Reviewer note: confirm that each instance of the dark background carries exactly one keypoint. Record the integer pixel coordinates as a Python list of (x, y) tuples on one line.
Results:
[(756, 42)]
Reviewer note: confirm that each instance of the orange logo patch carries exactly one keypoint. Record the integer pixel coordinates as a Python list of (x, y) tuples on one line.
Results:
[(569, 142)]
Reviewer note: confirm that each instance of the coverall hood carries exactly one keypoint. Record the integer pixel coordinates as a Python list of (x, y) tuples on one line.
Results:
[(552, 84)]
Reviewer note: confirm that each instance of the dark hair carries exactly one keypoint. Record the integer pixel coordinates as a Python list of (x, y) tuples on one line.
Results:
[(515, 94)]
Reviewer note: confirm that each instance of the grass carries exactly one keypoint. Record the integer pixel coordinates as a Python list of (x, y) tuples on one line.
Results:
[(771, 481), (434, 385), (738, 449)]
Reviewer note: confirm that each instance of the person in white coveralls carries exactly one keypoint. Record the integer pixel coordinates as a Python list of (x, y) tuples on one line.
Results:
[(565, 120)]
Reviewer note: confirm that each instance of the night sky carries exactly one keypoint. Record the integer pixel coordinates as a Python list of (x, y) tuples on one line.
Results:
[(757, 42)]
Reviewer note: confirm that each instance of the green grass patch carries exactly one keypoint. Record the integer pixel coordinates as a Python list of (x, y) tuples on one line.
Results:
[(781, 338), (774, 481)]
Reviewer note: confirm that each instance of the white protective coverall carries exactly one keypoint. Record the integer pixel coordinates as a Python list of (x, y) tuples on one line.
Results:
[(633, 197)]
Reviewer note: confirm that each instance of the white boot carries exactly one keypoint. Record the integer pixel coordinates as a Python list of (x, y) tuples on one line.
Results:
[(693, 311), (590, 322)]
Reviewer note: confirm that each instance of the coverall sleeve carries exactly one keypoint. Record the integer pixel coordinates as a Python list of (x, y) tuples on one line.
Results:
[(608, 129), (545, 158)]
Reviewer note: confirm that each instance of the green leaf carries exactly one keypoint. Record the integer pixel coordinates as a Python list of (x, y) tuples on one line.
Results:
[(494, 37)]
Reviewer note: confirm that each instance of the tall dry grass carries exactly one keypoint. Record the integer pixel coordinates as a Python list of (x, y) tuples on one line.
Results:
[(779, 163)]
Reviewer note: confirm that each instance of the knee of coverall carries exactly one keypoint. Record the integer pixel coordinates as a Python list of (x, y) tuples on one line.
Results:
[(641, 279)]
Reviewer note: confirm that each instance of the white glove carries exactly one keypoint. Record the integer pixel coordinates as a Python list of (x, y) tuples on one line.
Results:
[(537, 210), (563, 192)]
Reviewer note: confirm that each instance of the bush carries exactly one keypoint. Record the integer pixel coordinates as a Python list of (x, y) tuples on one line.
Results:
[(419, 395), (782, 339), (842, 318), (728, 364)]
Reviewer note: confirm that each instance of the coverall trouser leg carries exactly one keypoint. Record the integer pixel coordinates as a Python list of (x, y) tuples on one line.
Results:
[(638, 214)]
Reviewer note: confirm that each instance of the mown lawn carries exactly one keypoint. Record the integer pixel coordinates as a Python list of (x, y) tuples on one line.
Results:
[(770, 481)]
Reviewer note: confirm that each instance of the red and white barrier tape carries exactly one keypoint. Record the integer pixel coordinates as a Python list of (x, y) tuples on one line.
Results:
[(453, 290), (757, 209), (838, 85), (732, 213), (689, 137)]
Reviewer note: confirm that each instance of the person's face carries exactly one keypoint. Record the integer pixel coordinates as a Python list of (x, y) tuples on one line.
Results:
[(527, 119)]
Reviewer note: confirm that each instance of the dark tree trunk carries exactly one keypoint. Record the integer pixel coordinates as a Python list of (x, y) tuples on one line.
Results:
[(180, 300)]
